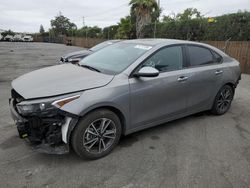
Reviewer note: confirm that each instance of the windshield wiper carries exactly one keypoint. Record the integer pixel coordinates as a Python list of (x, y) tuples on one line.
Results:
[(90, 68)]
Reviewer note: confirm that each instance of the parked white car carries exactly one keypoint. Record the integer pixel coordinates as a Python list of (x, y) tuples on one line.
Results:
[(17, 38), (27, 38), (1, 36), (8, 38)]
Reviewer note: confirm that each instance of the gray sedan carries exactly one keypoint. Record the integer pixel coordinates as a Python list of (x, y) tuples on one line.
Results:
[(120, 89), (75, 57)]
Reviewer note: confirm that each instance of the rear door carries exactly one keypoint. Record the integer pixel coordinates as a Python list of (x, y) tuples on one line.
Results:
[(205, 77)]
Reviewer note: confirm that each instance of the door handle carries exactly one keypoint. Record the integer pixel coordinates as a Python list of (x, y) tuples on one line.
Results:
[(217, 72), (182, 78)]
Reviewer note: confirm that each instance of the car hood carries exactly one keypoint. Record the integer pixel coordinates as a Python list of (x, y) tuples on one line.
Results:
[(58, 80), (77, 53)]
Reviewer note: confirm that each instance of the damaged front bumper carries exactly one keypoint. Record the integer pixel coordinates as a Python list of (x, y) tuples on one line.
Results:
[(46, 134)]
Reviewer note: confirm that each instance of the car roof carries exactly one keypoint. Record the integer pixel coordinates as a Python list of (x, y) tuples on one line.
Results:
[(113, 41), (159, 41)]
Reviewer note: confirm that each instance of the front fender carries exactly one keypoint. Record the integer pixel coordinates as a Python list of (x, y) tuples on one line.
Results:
[(114, 96)]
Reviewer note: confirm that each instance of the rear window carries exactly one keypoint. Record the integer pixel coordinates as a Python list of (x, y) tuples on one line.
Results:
[(200, 56)]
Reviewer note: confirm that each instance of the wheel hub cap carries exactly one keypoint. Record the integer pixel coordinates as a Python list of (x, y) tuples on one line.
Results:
[(224, 100), (99, 135)]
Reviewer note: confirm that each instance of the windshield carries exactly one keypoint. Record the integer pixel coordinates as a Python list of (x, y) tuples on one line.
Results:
[(100, 46), (115, 58)]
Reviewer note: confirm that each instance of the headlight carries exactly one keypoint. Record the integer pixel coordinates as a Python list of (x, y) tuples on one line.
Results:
[(47, 106), (26, 109)]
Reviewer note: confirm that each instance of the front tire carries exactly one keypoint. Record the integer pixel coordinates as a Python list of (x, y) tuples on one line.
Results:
[(223, 100), (96, 134)]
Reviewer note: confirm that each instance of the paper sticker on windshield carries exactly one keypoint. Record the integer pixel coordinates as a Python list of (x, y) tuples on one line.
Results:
[(143, 47)]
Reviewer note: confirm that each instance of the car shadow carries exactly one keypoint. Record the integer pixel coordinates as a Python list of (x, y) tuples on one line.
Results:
[(129, 140), (125, 141)]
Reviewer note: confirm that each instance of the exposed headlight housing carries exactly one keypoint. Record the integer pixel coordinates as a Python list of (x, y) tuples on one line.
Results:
[(48, 106), (28, 109)]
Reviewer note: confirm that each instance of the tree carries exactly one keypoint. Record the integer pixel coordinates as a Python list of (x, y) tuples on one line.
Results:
[(9, 32), (124, 29), (144, 11), (188, 14), (168, 18), (61, 25), (110, 32), (92, 32), (41, 30), (234, 26), (190, 24)]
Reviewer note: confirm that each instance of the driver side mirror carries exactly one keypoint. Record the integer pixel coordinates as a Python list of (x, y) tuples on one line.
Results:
[(75, 60), (147, 72)]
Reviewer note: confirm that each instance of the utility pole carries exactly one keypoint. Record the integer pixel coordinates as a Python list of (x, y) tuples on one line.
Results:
[(83, 22), (156, 19), (86, 28), (108, 33)]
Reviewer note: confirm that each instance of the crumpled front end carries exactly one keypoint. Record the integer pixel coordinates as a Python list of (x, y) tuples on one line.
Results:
[(47, 131)]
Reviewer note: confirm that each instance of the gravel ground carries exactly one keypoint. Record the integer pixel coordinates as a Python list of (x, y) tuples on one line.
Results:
[(197, 151)]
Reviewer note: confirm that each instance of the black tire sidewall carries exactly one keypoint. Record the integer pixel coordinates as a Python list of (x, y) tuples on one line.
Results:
[(78, 132)]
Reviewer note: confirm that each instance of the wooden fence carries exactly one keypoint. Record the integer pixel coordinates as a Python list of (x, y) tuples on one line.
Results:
[(84, 42), (239, 50), (76, 41)]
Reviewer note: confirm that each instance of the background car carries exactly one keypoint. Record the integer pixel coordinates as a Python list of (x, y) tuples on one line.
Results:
[(8, 38), (17, 38), (77, 56), (27, 38), (121, 89)]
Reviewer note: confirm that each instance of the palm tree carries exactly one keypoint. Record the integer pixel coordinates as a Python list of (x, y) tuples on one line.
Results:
[(144, 11)]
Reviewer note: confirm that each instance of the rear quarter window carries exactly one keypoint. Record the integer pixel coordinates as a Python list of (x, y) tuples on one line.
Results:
[(199, 56), (217, 58)]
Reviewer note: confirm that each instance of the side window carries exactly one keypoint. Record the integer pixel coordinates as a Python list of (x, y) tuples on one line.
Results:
[(199, 56), (217, 57), (167, 59)]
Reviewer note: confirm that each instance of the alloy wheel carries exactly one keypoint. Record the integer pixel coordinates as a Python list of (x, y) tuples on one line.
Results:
[(224, 100), (99, 135)]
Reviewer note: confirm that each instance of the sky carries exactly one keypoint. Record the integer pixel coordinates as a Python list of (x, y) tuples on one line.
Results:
[(28, 15)]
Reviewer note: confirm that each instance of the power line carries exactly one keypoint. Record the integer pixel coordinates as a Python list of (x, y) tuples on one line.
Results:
[(112, 9), (178, 2)]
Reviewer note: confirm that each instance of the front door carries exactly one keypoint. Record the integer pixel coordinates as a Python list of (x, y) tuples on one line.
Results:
[(155, 99)]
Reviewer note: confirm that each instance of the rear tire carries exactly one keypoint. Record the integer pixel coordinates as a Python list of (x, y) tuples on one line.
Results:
[(223, 100), (96, 134)]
